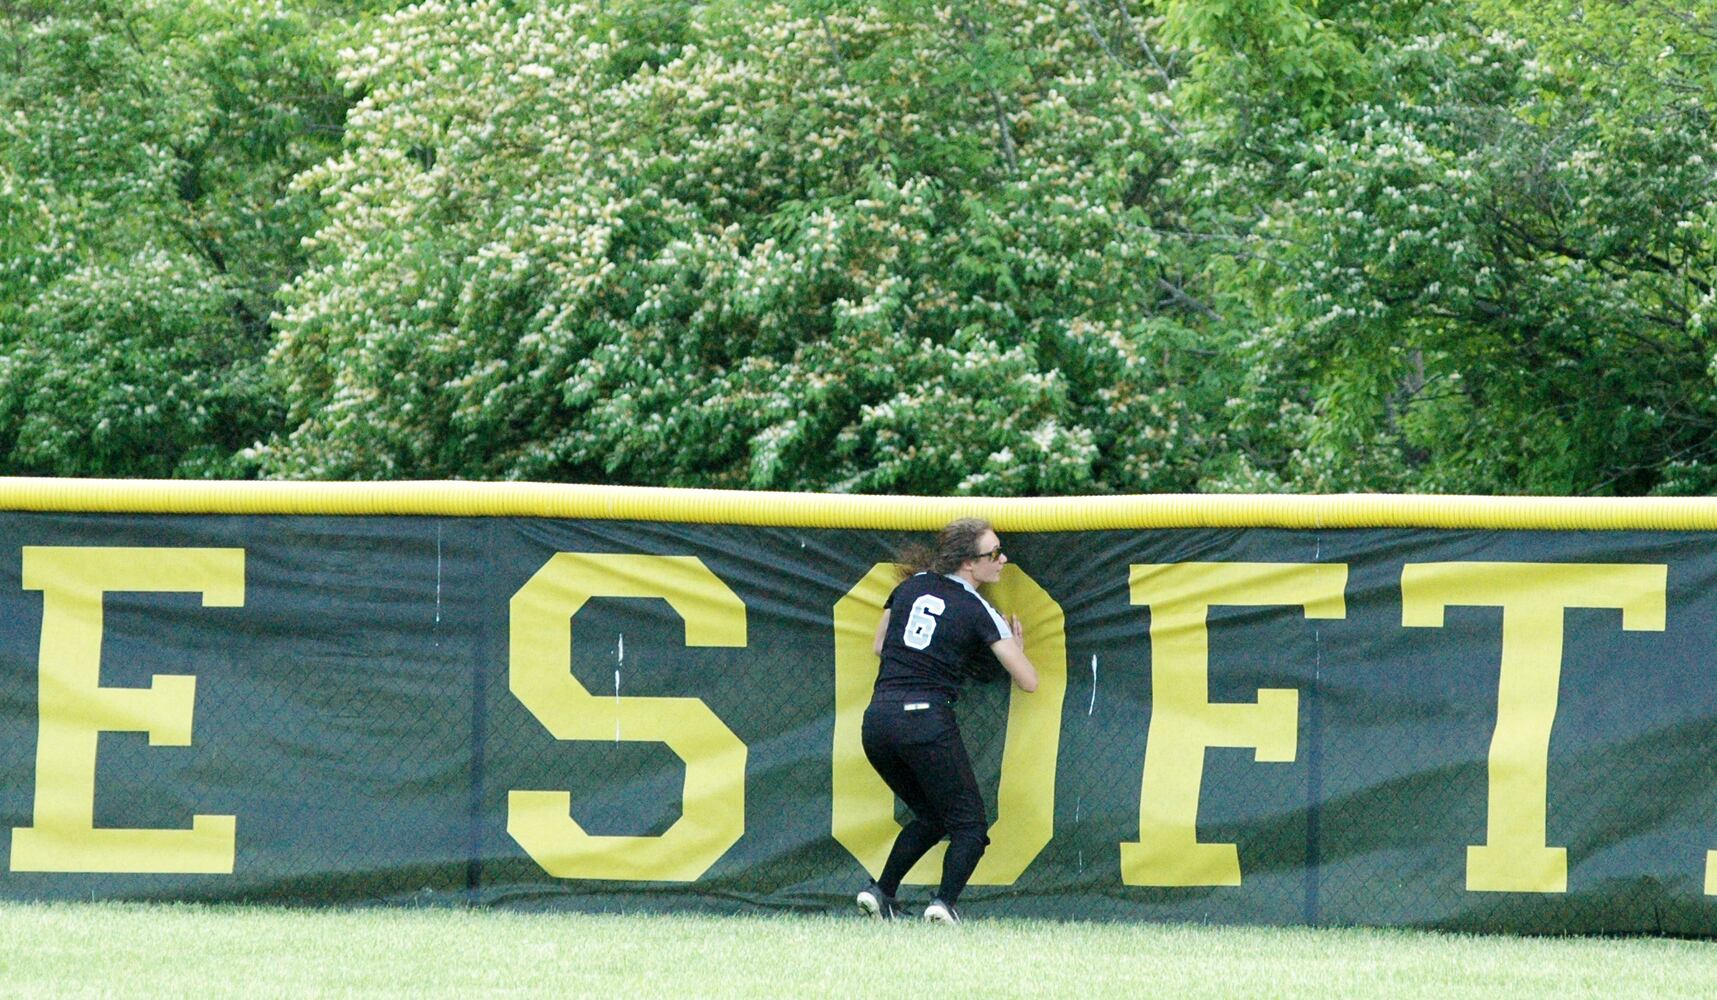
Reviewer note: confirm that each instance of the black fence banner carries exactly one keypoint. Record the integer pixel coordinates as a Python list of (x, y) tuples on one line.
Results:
[(1468, 713)]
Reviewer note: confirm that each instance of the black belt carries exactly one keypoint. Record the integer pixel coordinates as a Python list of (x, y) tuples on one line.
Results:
[(911, 698)]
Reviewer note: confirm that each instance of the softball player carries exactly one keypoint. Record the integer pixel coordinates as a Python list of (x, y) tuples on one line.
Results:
[(934, 626)]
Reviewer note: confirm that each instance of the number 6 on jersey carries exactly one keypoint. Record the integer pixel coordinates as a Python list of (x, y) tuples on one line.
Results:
[(921, 623)]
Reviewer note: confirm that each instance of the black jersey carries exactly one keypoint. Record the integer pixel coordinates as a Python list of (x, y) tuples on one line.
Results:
[(938, 627)]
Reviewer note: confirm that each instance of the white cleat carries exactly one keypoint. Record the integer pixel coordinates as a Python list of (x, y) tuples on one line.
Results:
[(875, 904), (939, 912)]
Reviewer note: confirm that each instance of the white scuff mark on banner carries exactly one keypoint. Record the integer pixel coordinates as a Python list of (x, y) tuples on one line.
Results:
[(1078, 807), (1093, 706)]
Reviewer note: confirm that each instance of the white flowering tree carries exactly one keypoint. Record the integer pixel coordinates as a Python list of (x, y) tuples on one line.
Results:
[(817, 247)]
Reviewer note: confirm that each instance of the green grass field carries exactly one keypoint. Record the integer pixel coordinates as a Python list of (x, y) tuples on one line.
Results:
[(128, 950)]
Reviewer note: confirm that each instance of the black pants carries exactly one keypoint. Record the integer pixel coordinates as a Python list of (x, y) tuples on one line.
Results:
[(915, 745)]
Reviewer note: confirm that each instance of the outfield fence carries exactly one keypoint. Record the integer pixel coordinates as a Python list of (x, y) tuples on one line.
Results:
[(1471, 713)]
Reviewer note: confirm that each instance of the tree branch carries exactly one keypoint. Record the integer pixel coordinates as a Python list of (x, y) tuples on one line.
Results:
[(1091, 26), (1179, 295), (834, 49), (1008, 151), (1143, 43)]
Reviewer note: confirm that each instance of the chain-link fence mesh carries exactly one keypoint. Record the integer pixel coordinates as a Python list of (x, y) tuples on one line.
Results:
[(361, 717)]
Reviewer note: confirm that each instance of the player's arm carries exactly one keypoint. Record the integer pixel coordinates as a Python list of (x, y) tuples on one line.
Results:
[(1011, 653), (881, 632)]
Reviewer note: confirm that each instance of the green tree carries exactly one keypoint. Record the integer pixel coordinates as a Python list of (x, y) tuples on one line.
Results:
[(1491, 272), (146, 220), (892, 246), (873, 249)]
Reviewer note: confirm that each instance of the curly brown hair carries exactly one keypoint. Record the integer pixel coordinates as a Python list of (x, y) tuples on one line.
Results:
[(954, 544)]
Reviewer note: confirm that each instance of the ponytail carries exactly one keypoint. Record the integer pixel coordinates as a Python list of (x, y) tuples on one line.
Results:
[(954, 545)]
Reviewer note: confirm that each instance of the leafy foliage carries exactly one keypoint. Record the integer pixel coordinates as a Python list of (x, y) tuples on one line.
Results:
[(1001, 247), (1494, 282), (875, 250), (147, 148)]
